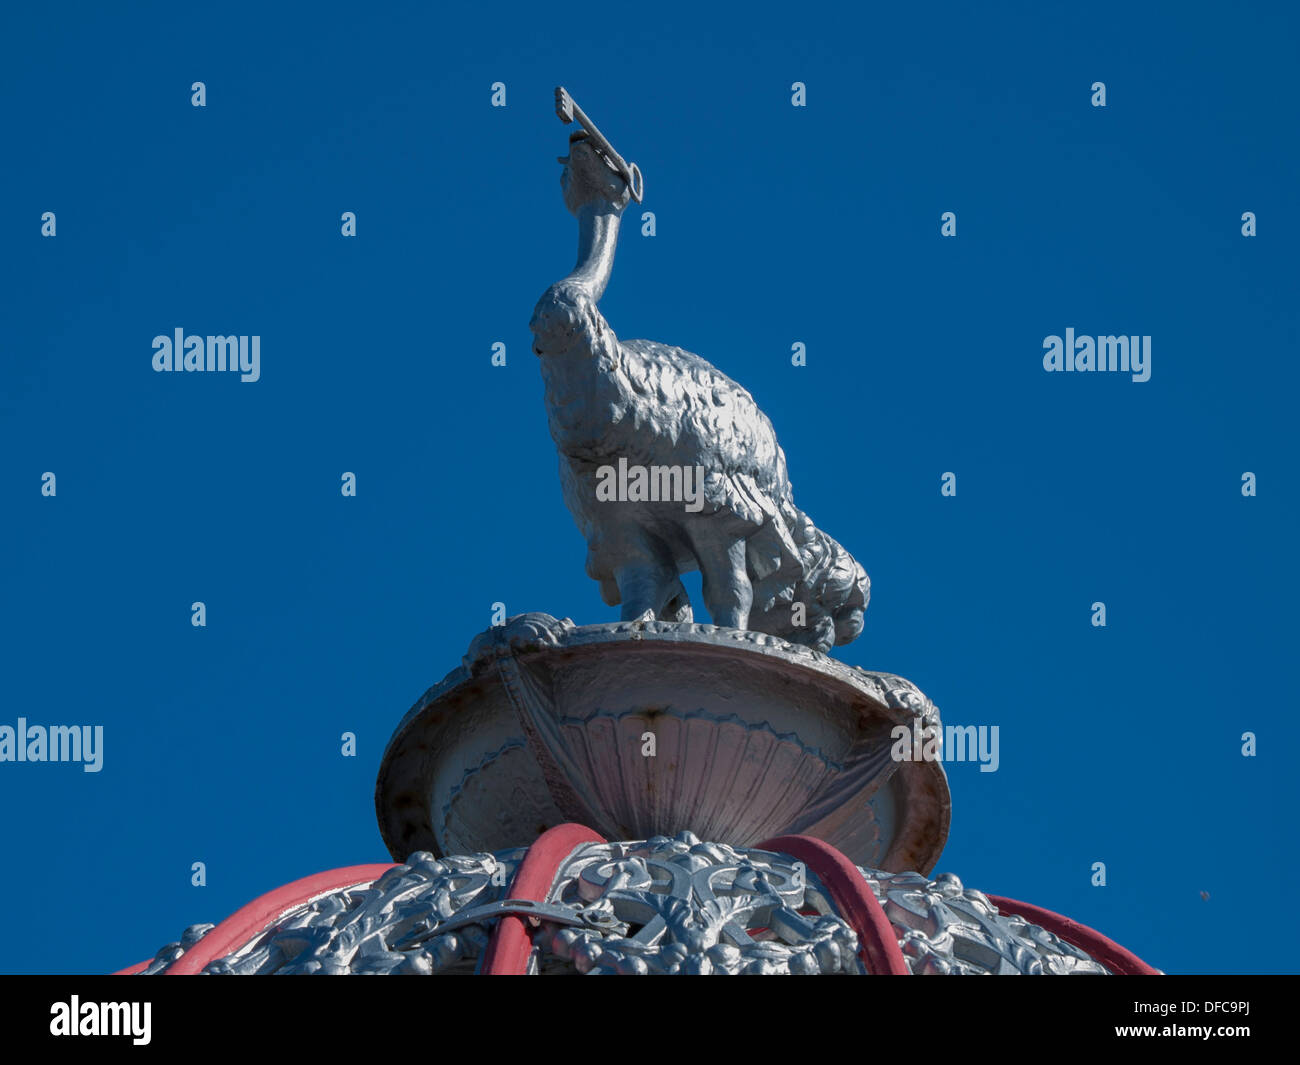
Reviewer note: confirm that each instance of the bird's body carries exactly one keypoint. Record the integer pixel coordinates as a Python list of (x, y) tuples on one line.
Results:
[(646, 404)]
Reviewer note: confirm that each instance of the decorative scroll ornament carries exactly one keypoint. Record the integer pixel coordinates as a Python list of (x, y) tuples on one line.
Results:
[(945, 929)]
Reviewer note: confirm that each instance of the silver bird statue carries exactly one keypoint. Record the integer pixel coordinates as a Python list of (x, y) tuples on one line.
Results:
[(637, 404)]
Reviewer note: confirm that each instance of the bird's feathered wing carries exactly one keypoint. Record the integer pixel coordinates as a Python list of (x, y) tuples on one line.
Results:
[(653, 404), (707, 419)]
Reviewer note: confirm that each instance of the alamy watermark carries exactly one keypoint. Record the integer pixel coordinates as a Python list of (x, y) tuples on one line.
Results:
[(949, 743), (102, 1018), (651, 484), (57, 743), (191, 354), (1108, 354)]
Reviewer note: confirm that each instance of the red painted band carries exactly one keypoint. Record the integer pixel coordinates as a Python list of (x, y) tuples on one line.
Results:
[(1118, 960), (857, 903), (133, 969), (511, 944), (250, 921)]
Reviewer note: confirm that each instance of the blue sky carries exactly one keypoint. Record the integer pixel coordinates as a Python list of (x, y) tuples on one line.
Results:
[(775, 224)]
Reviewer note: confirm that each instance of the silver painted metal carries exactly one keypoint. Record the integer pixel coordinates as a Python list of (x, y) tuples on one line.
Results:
[(567, 110), (173, 951), (663, 905), (754, 737), (684, 907), (536, 912), (405, 923), (668, 416), (757, 733), (945, 929)]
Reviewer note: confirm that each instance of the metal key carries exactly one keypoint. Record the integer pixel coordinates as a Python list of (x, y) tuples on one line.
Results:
[(567, 109)]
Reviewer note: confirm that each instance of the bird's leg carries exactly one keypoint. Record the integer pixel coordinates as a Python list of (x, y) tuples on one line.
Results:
[(678, 608), (644, 586), (647, 579), (728, 593)]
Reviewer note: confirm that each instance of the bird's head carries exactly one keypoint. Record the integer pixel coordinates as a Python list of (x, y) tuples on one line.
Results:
[(589, 178)]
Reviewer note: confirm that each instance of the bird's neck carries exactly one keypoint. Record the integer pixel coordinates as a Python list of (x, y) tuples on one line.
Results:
[(597, 238)]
